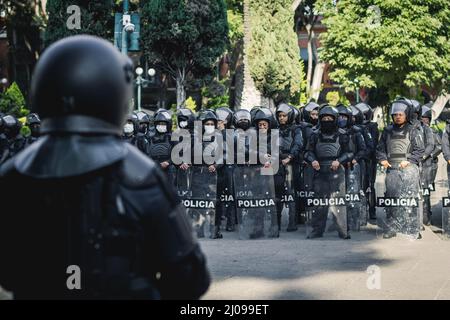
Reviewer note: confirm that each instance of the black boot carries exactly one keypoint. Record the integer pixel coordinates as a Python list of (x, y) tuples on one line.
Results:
[(217, 234)]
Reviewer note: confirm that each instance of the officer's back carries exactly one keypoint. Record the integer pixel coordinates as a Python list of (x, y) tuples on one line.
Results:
[(86, 215)]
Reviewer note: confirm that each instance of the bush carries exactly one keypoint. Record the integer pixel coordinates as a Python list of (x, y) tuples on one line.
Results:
[(13, 102)]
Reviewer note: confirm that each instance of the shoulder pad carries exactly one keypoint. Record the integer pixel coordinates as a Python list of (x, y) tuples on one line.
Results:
[(137, 170)]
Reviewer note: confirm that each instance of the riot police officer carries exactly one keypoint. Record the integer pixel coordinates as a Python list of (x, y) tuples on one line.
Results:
[(111, 221), (291, 146), (353, 173), (34, 123), (160, 144), (130, 129), (311, 113), (225, 189), (370, 130), (429, 161), (16, 141), (327, 151), (400, 151)]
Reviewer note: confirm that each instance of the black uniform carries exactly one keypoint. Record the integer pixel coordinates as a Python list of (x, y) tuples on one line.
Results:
[(105, 207), (291, 146), (326, 145)]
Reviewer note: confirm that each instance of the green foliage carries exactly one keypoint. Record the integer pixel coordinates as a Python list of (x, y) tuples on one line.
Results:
[(191, 104), (13, 102), (189, 35), (236, 26), (274, 54), (334, 98), (215, 95), (96, 19), (394, 44)]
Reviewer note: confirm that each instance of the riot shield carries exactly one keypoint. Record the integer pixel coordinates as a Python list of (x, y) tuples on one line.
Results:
[(255, 203), (327, 212), (304, 190), (226, 197), (197, 189), (289, 214), (401, 203), (446, 212), (356, 200)]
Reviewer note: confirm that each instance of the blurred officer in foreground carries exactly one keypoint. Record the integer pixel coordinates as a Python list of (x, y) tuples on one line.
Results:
[(111, 226)]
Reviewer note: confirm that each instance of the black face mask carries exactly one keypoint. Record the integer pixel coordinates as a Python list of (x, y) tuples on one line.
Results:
[(244, 125), (328, 126), (314, 121), (342, 123)]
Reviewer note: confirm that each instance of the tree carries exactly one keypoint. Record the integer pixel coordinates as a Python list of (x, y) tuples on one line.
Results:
[(399, 45), (184, 38), (306, 18), (22, 22), (13, 102), (274, 58), (96, 18)]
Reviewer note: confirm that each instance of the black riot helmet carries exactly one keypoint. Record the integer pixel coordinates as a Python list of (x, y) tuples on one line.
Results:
[(416, 108), (242, 119), (404, 106), (366, 110), (163, 115), (264, 113), (306, 111), (11, 126), (207, 115), (359, 117), (185, 116), (288, 110), (34, 123), (426, 112), (82, 84), (33, 118), (143, 121), (226, 115), (297, 115), (133, 120), (328, 126), (253, 112), (344, 111)]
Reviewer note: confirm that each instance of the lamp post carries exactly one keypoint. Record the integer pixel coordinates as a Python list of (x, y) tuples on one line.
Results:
[(140, 81), (357, 90)]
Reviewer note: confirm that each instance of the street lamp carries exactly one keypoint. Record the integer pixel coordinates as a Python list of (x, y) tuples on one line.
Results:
[(356, 81), (140, 81)]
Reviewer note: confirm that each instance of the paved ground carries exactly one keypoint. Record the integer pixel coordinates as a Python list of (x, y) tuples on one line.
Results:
[(292, 267)]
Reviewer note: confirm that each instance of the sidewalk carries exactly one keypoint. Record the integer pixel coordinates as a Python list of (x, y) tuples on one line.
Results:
[(293, 267)]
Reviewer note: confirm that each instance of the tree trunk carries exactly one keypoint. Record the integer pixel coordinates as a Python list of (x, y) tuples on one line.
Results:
[(310, 59), (439, 105), (181, 90), (250, 96), (317, 80)]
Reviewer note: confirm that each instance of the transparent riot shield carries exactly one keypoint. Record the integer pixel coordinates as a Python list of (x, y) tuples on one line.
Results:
[(401, 203), (356, 200), (446, 211), (289, 214), (327, 212), (197, 189), (255, 203)]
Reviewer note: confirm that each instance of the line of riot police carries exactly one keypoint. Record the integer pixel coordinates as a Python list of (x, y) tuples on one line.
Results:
[(11, 139), (318, 152)]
